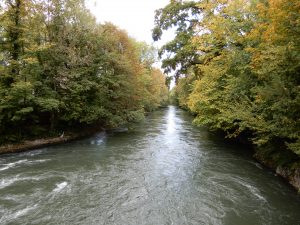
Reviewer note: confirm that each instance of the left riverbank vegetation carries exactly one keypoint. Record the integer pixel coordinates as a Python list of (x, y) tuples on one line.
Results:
[(60, 70), (237, 68)]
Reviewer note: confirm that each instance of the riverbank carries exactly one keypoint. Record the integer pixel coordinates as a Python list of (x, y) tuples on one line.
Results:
[(45, 142), (288, 171), (276, 157)]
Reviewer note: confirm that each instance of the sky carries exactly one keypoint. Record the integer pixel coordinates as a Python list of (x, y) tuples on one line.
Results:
[(134, 16)]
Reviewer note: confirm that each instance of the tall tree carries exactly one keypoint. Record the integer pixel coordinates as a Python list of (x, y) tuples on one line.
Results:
[(246, 75)]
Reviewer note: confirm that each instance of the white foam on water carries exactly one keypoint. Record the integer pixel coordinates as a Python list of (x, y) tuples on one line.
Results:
[(10, 165), (5, 168), (33, 153), (23, 161), (60, 186), (17, 214), (7, 182), (100, 141), (258, 166), (253, 190), (23, 212), (40, 160)]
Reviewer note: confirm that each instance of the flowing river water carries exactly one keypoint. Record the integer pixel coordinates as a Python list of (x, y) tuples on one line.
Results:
[(164, 171)]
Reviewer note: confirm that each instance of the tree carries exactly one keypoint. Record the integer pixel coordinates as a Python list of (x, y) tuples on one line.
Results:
[(245, 78), (180, 53), (62, 70)]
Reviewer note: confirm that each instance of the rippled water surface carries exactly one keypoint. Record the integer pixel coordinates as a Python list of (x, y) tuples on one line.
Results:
[(164, 171)]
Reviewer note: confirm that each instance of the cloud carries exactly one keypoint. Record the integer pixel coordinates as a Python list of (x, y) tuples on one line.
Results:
[(135, 16)]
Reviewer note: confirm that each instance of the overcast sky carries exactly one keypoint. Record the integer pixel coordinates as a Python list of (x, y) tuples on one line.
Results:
[(135, 16)]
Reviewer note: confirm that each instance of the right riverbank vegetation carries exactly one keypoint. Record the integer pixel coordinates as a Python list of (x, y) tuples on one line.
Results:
[(237, 68), (60, 71)]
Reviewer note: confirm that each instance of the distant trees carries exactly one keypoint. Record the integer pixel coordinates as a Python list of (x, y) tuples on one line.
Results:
[(59, 69), (238, 65)]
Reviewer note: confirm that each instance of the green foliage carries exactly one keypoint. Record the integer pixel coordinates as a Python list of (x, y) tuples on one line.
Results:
[(184, 89), (59, 68), (246, 75), (180, 53), (155, 90)]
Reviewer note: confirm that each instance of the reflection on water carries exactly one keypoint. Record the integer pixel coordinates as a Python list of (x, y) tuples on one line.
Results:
[(171, 120), (164, 171), (99, 139)]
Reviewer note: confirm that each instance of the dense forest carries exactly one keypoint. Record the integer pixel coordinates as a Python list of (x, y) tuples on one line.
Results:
[(59, 69), (237, 68)]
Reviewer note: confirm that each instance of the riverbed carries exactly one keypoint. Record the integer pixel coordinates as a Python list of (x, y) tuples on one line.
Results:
[(162, 171)]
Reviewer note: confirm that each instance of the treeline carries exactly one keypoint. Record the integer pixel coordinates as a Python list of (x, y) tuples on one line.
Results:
[(237, 67), (60, 69)]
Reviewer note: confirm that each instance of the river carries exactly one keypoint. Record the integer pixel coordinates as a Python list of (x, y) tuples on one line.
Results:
[(163, 171)]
